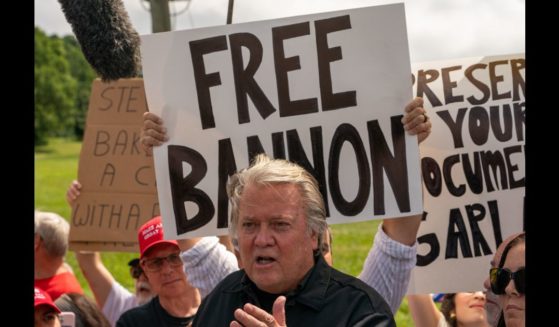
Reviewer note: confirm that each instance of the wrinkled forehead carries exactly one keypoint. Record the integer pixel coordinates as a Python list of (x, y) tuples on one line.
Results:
[(265, 196)]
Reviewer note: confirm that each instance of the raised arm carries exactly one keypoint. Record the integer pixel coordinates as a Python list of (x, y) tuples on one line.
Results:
[(390, 261), (98, 277), (423, 310)]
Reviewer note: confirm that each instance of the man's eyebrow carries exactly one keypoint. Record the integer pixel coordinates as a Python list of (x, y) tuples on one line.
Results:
[(281, 216)]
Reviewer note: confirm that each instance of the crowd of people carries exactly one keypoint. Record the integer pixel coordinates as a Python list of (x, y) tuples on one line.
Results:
[(280, 272)]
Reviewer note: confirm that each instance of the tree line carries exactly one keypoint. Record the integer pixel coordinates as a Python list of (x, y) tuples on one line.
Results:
[(62, 87)]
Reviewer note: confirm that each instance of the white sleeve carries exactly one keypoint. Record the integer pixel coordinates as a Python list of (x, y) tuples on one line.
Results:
[(207, 263), (118, 301), (442, 321), (388, 267)]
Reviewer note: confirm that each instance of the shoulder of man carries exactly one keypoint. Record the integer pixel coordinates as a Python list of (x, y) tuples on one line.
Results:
[(142, 315), (353, 285), (231, 282), (225, 296)]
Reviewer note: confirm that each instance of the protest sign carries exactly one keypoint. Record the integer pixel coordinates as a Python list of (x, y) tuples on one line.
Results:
[(118, 182), (326, 91), (473, 168)]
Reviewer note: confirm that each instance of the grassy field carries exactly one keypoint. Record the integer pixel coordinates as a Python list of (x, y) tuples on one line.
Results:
[(56, 165)]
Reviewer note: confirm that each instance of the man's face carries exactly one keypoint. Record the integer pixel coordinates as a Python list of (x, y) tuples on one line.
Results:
[(167, 280), (275, 246)]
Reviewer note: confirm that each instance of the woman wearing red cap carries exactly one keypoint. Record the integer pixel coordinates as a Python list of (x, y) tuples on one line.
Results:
[(46, 312)]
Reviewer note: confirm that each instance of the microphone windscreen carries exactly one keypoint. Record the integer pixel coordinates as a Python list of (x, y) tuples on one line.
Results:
[(108, 41)]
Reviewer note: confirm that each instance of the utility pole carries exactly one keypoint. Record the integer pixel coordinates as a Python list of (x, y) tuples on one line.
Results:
[(230, 12), (160, 16)]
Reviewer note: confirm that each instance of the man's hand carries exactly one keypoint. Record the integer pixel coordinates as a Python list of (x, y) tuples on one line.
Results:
[(416, 121), (153, 132), (253, 316), (73, 192)]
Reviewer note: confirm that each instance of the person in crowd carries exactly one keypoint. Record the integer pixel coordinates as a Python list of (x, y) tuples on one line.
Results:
[(388, 265), (464, 309), (110, 295), (426, 314), (493, 305), (46, 312), (278, 219), (508, 282), (51, 243), (177, 301), (112, 298), (87, 314)]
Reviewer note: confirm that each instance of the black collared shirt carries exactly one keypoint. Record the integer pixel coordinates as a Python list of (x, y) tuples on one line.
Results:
[(325, 297), (151, 314)]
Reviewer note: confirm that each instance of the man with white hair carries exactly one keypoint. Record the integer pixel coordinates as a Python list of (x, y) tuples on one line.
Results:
[(52, 274), (278, 218)]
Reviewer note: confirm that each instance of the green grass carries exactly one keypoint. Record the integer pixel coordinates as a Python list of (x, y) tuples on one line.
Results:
[(56, 165), (351, 244)]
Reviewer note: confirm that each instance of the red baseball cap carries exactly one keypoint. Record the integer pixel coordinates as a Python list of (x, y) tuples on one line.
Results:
[(150, 234), (43, 298)]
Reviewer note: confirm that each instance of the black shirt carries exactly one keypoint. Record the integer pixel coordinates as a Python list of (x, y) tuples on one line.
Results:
[(325, 297), (151, 314)]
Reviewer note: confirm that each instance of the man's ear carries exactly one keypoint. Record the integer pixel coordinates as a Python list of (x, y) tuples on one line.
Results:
[(314, 238), (37, 241)]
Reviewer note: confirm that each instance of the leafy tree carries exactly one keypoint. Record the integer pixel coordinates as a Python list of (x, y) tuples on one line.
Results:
[(84, 75), (55, 88)]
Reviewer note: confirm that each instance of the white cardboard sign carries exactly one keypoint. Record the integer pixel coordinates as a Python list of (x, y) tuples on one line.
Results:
[(324, 90), (473, 168)]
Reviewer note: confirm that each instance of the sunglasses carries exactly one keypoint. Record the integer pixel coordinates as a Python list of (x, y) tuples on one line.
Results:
[(501, 277), (136, 271), (155, 264)]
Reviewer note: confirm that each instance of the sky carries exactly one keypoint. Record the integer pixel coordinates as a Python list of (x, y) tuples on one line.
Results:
[(437, 29)]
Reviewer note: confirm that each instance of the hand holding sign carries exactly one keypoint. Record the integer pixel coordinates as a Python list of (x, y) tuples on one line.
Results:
[(416, 121), (153, 132)]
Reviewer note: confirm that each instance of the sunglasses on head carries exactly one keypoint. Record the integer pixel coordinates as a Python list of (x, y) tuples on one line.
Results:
[(501, 277), (136, 271)]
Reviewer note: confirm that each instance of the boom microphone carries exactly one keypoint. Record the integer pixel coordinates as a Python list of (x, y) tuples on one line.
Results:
[(108, 41)]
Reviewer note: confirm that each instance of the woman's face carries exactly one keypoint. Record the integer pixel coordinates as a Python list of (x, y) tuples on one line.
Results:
[(470, 309), (45, 316), (514, 301)]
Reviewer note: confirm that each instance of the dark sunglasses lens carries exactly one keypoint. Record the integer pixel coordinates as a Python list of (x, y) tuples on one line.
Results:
[(520, 280), (499, 279), (135, 272)]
